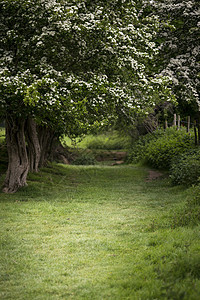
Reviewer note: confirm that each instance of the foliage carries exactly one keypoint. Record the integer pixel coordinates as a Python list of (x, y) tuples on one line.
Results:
[(160, 153), (138, 150), (70, 65), (185, 169), (179, 56), (158, 149), (84, 158)]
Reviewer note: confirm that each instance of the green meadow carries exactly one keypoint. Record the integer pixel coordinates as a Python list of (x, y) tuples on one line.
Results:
[(97, 232)]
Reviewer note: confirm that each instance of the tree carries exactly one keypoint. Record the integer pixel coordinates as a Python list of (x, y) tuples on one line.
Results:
[(67, 66), (180, 50)]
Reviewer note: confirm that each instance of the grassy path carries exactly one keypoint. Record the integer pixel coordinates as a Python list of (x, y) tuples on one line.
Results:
[(96, 233)]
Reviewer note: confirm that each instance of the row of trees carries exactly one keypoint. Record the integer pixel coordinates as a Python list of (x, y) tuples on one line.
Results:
[(71, 66)]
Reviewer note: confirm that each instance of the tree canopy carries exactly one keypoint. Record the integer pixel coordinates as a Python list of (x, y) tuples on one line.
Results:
[(179, 56), (67, 66), (56, 54)]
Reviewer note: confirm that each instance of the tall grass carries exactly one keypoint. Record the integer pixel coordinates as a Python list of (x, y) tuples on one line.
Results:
[(97, 233), (111, 140)]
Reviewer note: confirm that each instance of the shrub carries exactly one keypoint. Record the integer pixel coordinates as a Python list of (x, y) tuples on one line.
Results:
[(185, 169), (160, 148), (161, 152), (138, 150), (85, 158)]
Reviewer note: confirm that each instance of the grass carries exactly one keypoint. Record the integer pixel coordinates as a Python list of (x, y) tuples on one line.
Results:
[(111, 140), (97, 232), (2, 134)]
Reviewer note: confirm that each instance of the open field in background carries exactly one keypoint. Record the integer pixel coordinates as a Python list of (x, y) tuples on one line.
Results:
[(2, 134), (97, 232), (111, 140)]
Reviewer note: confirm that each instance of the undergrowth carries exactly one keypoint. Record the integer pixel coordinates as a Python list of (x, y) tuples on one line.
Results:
[(159, 148)]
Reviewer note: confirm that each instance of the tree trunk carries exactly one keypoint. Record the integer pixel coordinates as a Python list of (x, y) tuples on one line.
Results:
[(179, 122), (198, 127), (174, 122), (17, 155), (188, 124), (34, 150), (46, 138)]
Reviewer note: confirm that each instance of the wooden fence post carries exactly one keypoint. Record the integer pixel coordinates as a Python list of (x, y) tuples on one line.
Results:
[(179, 122), (174, 123), (188, 124), (198, 127)]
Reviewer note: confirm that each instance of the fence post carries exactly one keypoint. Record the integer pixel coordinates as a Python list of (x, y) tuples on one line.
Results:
[(188, 124), (166, 124), (198, 127), (174, 123), (179, 122)]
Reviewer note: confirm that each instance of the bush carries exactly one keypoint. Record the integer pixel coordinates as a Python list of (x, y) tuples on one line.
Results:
[(138, 150), (85, 158), (161, 152), (186, 168), (161, 147)]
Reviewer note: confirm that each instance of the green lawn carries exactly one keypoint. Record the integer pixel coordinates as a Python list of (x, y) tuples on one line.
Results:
[(96, 232)]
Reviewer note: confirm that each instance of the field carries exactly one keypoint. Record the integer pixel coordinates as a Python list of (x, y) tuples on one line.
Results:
[(97, 232), (111, 140)]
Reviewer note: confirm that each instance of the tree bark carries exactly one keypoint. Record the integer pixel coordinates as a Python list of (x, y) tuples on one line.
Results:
[(188, 124), (46, 138), (18, 166), (179, 122), (34, 150), (198, 127), (174, 122)]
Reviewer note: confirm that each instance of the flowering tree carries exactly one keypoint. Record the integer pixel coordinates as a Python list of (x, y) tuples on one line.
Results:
[(180, 50), (67, 65)]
